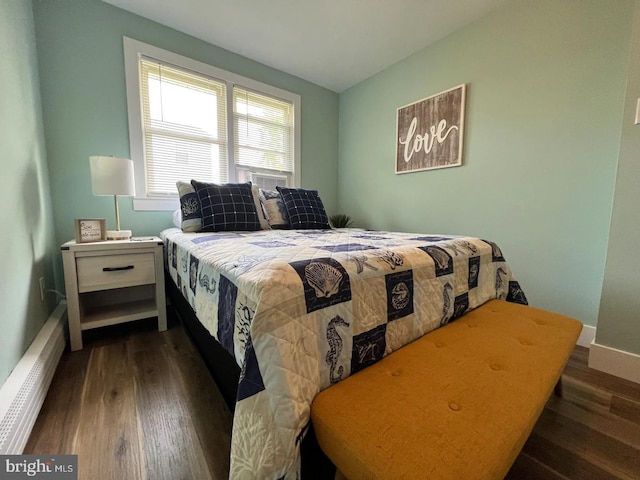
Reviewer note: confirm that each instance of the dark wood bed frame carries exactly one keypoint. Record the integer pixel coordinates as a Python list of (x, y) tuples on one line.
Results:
[(226, 373)]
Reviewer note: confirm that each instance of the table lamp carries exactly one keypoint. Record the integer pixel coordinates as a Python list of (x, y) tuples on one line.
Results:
[(113, 176)]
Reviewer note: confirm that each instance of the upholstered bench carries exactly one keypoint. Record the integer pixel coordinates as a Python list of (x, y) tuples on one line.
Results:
[(458, 403)]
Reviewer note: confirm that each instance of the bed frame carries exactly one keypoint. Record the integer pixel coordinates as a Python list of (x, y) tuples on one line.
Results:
[(226, 373)]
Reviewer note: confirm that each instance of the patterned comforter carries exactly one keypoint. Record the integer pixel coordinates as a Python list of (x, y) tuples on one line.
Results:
[(303, 309)]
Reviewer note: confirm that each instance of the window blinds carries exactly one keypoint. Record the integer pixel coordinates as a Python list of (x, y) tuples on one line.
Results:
[(263, 131), (184, 127), (186, 134)]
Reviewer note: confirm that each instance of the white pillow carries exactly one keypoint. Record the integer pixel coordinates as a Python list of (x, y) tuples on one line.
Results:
[(177, 218)]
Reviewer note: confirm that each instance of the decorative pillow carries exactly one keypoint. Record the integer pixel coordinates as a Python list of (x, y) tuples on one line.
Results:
[(262, 215), (189, 207), (304, 208), (177, 218), (274, 208), (227, 207)]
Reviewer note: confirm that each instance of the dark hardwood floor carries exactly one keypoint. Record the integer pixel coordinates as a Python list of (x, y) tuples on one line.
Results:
[(136, 403), (592, 432), (139, 404)]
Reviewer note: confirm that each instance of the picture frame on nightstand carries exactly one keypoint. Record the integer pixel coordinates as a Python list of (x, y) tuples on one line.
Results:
[(91, 230)]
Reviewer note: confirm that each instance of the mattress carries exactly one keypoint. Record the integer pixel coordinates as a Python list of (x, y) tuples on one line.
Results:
[(300, 310)]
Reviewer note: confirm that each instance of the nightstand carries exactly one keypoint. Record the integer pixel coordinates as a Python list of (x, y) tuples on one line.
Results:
[(113, 282)]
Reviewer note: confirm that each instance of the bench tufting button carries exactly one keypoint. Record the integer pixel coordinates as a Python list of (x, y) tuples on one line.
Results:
[(471, 325), (395, 374), (454, 406), (439, 344), (495, 367), (525, 342)]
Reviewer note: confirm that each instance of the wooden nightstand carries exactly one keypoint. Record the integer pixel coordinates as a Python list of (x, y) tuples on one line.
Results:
[(113, 282)]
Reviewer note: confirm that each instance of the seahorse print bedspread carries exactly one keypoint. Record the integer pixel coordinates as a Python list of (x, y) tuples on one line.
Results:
[(303, 309)]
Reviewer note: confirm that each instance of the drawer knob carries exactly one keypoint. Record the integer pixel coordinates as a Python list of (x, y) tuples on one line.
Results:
[(116, 269)]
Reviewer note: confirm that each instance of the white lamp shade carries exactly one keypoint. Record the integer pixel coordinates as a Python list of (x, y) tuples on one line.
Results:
[(112, 176)]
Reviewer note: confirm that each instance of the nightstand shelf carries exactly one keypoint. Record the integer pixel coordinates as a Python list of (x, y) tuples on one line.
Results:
[(113, 282), (121, 313)]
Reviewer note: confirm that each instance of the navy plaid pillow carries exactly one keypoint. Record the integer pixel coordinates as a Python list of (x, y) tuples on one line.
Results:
[(226, 207), (304, 208)]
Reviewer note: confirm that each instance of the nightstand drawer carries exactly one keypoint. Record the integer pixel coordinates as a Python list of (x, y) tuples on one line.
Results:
[(104, 272)]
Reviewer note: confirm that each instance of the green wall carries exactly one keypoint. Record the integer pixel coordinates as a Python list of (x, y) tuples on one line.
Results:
[(81, 66), (27, 242), (619, 321), (546, 84)]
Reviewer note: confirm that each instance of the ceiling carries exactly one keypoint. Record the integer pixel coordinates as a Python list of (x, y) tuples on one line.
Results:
[(332, 43)]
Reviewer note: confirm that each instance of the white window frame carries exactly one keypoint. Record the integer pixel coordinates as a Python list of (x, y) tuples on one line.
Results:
[(133, 50)]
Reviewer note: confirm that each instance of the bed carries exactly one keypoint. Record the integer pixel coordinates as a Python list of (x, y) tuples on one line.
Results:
[(300, 310)]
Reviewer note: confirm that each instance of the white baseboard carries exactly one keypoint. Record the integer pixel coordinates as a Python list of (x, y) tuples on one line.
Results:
[(23, 393), (587, 336), (616, 362)]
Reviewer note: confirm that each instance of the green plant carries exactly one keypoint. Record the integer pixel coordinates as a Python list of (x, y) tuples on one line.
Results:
[(340, 220)]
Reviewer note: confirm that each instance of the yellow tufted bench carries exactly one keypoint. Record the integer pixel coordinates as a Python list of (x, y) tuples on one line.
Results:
[(458, 403)]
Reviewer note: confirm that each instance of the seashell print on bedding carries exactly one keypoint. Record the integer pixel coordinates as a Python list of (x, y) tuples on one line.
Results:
[(385, 296), (440, 257), (324, 278), (442, 261), (325, 282), (460, 247), (496, 253), (399, 294), (193, 272), (468, 246)]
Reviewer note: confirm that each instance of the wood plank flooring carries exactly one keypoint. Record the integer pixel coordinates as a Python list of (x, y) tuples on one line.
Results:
[(139, 404), (592, 432), (136, 404)]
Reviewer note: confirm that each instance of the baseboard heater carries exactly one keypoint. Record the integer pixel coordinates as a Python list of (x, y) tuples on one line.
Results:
[(24, 391)]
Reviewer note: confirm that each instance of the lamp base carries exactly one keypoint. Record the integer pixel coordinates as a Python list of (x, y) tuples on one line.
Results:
[(118, 234)]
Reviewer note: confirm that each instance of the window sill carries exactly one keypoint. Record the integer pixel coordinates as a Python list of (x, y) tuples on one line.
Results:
[(157, 204)]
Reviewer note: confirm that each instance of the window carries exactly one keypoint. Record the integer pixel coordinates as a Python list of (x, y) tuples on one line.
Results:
[(191, 120)]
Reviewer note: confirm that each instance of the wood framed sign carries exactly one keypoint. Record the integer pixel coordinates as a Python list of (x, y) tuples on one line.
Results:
[(429, 132), (90, 230)]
